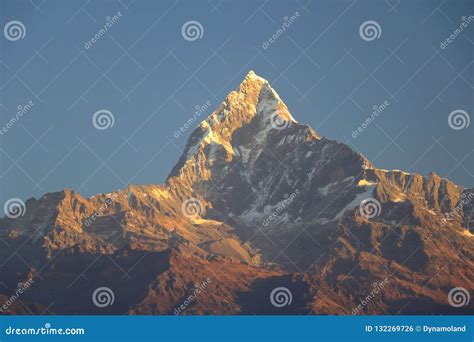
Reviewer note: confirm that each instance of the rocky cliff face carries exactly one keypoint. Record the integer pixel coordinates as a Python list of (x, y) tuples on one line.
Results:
[(257, 202)]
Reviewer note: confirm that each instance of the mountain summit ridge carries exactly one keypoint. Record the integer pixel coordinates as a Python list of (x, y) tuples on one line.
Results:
[(256, 201), (216, 131)]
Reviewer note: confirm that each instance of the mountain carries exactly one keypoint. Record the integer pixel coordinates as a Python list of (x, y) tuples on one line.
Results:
[(260, 215)]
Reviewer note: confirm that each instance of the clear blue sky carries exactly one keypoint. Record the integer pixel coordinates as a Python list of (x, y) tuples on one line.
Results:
[(151, 78)]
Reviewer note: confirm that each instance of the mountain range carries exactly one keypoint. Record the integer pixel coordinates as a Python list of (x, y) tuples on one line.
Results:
[(260, 215)]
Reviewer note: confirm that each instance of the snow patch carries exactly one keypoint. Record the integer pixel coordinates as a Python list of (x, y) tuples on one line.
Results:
[(368, 193)]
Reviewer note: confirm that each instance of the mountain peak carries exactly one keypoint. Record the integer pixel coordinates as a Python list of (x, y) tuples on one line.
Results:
[(252, 76), (254, 105), (262, 92), (251, 73), (251, 183)]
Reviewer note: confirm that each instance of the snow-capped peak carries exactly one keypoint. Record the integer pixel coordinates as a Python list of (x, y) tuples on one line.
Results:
[(253, 100), (251, 75)]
